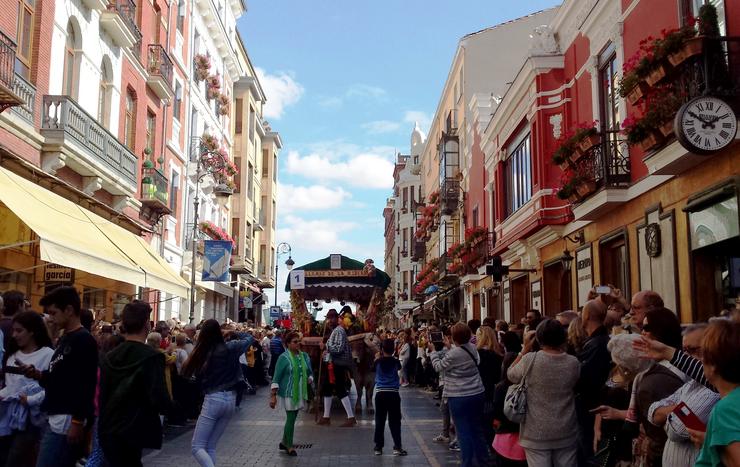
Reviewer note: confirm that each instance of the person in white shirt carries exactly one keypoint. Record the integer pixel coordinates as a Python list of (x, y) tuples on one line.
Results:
[(21, 419)]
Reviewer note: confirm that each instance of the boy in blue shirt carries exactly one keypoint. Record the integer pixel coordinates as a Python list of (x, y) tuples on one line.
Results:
[(387, 399)]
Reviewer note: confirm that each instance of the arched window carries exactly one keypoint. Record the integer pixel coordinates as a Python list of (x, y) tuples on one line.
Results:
[(71, 46), (105, 91)]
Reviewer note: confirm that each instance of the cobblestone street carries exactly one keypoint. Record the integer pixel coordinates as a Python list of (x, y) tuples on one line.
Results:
[(253, 434)]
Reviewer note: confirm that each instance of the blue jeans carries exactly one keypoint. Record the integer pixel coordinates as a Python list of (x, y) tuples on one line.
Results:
[(218, 408), (467, 415), (55, 451)]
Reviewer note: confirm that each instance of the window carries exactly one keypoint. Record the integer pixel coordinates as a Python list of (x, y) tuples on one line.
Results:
[(272, 214), (26, 9), (608, 79), (614, 262), (156, 24), (250, 180), (691, 8), (274, 168), (151, 128), (181, 15), (238, 119), (235, 234), (177, 105), (174, 190), (129, 125), (265, 162), (104, 92), (518, 173), (237, 178), (474, 215), (405, 199), (69, 83)]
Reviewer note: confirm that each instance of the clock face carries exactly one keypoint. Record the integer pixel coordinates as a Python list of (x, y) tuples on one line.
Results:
[(705, 125)]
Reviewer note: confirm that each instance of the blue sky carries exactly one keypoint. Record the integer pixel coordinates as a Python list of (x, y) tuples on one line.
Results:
[(345, 81)]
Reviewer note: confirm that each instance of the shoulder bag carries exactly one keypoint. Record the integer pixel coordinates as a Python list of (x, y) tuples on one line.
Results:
[(515, 403)]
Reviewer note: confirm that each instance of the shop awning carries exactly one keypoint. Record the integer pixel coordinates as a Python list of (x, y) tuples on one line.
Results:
[(75, 237)]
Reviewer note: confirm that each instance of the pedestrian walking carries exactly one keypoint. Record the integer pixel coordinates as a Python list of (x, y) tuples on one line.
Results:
[(21, 419), (132, 392), (290, 382), (215, 364), (69, 382), (387, 399), (338, 370)]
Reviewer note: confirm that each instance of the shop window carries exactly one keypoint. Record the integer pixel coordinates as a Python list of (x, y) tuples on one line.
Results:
[(614, 262), (557, 292), (14, 280), (23, 57), (93, 298), (518, 176)]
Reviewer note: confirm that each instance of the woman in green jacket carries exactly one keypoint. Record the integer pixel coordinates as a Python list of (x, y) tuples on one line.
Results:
[(290, 382)]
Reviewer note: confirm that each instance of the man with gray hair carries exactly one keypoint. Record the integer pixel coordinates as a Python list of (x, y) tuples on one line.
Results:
[(566, 317), (642, 302)]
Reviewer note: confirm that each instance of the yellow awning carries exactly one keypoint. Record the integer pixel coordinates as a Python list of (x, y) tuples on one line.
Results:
[(75, 237)]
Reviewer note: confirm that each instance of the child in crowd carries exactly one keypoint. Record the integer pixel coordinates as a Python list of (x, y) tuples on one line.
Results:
[(387, 399)]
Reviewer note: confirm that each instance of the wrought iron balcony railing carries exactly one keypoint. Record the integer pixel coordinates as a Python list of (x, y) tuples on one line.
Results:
[(449, 195), (159, 66), (154, 187), (607, 163), (418, 250), (7, 76)]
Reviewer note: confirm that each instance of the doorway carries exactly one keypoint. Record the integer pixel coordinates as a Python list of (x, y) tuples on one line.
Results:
[(557, 293), (519, 298)]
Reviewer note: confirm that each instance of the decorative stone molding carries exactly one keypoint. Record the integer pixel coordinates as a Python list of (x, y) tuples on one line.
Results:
[(543, 41), (556, 121), (119, 202), (53, 161), (91, 184)]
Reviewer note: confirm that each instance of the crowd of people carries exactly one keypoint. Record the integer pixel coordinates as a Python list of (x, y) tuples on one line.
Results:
[(617, 383)]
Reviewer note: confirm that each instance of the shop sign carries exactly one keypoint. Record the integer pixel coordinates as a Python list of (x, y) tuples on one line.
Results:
[(584, 274), (335, 261), (56, 273), (338, 273), (297, 279), (537, 296)]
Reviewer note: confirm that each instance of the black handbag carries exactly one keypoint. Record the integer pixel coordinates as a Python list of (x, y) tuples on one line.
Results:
[(606, 456)]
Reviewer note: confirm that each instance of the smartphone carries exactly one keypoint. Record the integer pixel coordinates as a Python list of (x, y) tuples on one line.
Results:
[(436, 336), (15, 370), (603, 289), (689, 418)]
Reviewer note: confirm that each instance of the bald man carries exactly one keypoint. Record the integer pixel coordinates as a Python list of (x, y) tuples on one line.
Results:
[(642, 302), (595, 366)]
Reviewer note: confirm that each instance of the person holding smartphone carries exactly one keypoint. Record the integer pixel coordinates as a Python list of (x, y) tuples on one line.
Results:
[(20, 400)]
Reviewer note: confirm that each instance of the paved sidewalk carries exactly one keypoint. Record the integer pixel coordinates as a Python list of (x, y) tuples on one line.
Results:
[(253, 435)]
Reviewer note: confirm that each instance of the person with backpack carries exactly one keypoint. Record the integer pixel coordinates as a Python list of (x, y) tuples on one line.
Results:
[(215, 365), (133, 393)]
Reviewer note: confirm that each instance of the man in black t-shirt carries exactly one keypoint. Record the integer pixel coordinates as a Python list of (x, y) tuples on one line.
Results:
[(69, 382)]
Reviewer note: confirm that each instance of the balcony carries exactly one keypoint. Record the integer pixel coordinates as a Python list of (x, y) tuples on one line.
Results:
[(418, 250), (27, 92), (449, 195), (74, 138), (260, 222), (607, 165), (97, 5), (446, 277), (243, 265), (712, 72), (118, 20), (154, 193), (8, 98), (159, 66)]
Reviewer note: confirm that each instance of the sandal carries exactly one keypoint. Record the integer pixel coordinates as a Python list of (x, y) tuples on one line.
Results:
[(292, 453)]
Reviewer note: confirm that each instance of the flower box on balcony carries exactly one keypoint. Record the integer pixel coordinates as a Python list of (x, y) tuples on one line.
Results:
[(692, 47), (657, 75), (589, 141), (637, 93), (586, 187), (666, 129), (649, 142), (576, 155)]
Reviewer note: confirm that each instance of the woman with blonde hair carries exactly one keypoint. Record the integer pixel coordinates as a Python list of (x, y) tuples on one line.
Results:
[(576, 336), (491, 358)]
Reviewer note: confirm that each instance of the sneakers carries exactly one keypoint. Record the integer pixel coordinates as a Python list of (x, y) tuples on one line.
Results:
[(324, 421), (454, 446), (378, 451), (399, 452), (441, 439)]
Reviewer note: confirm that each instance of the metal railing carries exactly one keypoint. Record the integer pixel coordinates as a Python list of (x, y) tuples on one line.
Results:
[(449, 195), (159, 63), (154, 185), (127, 11), (418, 250), (607, 163), (27, 92), (7, 60), (63, 114)]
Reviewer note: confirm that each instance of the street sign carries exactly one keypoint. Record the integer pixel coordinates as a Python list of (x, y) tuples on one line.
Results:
[(276, 313), (297, 279)]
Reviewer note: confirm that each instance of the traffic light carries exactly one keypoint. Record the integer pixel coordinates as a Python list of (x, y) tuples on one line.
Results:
[(497, 269)]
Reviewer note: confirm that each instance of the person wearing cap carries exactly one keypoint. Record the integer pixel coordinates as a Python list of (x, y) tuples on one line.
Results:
[(340, 354)]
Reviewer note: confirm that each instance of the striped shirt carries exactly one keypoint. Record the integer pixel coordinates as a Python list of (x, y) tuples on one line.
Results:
[(679, 450), (693, 368)]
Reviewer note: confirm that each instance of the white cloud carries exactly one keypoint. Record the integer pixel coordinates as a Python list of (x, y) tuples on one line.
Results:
[(314, 235), (330, 102), (381, 126), (365, 91), (424, 119), (309, 198), (365, 169), (281, 90)]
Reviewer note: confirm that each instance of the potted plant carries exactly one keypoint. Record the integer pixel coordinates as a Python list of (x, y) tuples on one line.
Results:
[(213, 83), (148, 151), (640, 134), (223, 104), (160, 160), (202, 66), (148, 164), (587, 136), (564, 152), (584, 186), (209, 142), (146, 180)]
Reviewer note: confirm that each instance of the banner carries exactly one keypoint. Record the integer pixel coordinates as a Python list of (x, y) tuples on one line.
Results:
[(216, 260)]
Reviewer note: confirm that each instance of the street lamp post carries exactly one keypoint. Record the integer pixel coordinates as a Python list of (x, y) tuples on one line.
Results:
[(208, 162), (282, 248)]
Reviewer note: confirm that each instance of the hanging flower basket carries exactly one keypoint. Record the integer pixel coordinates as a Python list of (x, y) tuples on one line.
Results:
[(202, 66), (666, 129), (657, 75), (637, 93), (209, 142), (223, 189), (585, 188), (648, 143), (223, 104), (589, 141)]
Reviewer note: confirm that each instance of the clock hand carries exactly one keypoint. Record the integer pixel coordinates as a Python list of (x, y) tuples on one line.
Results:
[(697, 117)]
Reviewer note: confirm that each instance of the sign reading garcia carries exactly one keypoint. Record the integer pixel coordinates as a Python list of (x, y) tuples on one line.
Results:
[(56, 273)]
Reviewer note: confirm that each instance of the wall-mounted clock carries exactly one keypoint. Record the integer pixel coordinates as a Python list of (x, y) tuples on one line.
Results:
[(705, 125)]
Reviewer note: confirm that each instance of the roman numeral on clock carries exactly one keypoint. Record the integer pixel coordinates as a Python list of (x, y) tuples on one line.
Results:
[(723, 134), (727, 125)]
